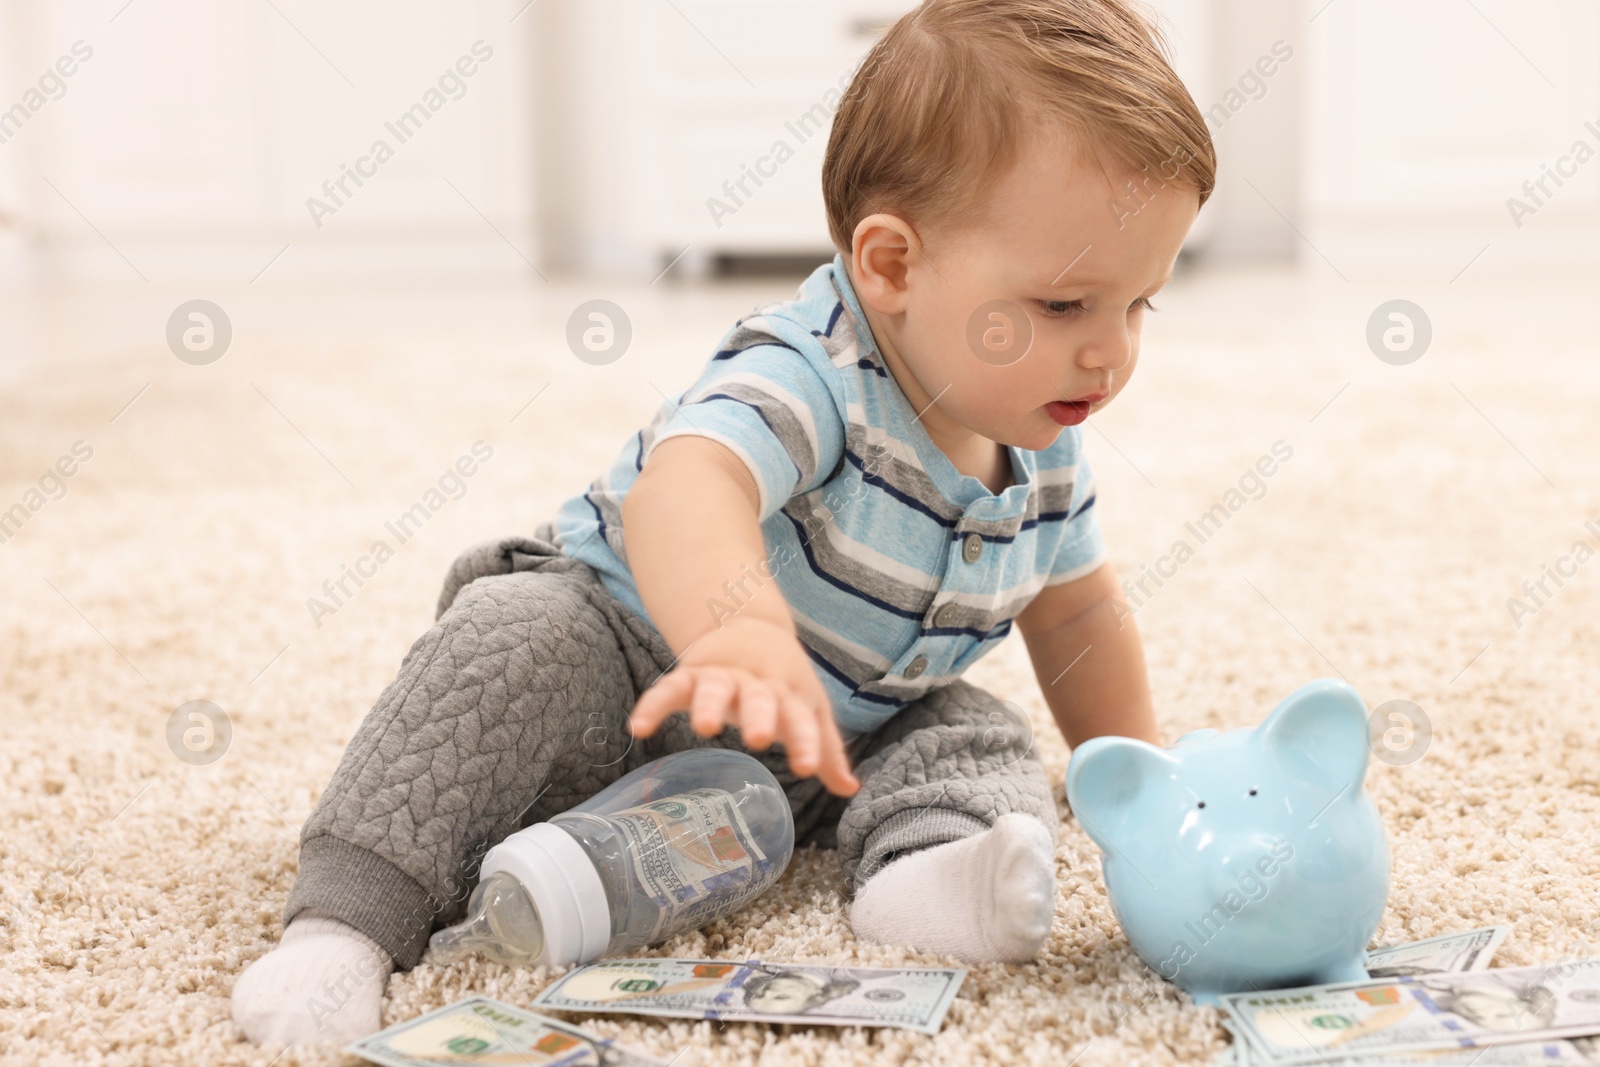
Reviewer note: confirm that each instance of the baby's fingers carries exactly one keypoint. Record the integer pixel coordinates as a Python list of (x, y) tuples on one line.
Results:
[(800, 735), (835, 770), (670, 693), (713, 691), (758, 713)]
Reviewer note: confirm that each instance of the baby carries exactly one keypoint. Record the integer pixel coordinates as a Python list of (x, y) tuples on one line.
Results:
[(863, 490)]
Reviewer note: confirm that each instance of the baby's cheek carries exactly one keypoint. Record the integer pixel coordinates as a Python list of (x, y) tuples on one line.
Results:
[(1119, 377)]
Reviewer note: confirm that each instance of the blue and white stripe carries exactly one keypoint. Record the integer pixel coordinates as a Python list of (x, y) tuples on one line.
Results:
[(865, 521)]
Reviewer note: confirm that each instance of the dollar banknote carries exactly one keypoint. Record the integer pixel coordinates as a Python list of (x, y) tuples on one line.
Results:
[(1578, 1052), (1469, 950), (1418, 1013), (479, 1030), (904, 997)]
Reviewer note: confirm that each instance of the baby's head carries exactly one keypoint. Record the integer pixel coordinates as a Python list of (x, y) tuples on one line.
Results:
[(1009, 181)]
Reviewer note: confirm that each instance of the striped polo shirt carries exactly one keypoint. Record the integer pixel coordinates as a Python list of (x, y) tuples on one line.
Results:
[(900, 571)]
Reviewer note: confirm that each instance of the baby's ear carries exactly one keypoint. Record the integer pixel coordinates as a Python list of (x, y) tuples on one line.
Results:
[(1106, 780), (1319, 733)]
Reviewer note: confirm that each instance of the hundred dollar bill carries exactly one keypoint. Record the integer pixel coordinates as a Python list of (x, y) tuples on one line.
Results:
[(904, 997), (479, 1030), (1560, 1053), (1422, 1013), (1469, 950)]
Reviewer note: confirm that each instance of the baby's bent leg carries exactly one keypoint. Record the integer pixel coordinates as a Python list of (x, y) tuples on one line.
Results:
[(949, 846), (511, 709)]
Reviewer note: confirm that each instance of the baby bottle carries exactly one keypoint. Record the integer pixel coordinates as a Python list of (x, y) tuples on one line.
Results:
[(673, 846)]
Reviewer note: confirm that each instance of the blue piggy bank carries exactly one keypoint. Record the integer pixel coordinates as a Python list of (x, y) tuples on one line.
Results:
[(1250, 859)]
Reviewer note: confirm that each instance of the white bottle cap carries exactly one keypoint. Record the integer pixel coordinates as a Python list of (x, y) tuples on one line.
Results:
[(565, 887)]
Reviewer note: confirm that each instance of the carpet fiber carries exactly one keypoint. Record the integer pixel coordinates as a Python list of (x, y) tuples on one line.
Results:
[(134, 886)]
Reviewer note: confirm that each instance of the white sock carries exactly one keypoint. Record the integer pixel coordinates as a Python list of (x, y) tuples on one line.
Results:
[(324, 982), (983, 899)]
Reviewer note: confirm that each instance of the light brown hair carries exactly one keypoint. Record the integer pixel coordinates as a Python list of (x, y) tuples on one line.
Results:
[(938, 107)]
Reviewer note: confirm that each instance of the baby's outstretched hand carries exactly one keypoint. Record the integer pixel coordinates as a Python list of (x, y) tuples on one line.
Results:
[(755, 675)]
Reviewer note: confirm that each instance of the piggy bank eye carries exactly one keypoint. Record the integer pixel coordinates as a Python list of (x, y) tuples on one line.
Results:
[(1252, 792), (1201, 804)]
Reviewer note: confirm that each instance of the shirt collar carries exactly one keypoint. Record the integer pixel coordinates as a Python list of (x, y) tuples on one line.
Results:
[(960, 489)]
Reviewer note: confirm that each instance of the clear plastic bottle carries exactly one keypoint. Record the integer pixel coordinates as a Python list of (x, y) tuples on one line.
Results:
[(673, 846)]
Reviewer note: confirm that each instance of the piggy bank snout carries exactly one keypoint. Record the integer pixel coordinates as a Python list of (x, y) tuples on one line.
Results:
[(1247, 864)]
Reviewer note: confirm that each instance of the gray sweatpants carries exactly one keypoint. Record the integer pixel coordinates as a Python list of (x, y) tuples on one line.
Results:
[(513, 708)]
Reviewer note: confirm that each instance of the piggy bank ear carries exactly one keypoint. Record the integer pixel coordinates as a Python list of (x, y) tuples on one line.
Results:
[(1109, 781), (1319, 733)]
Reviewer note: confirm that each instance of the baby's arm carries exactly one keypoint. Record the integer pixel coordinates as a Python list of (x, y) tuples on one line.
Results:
[(690, 520), (1089, 660)]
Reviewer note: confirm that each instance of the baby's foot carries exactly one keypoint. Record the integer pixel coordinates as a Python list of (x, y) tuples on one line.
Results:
[(324, 982), (982, 899)]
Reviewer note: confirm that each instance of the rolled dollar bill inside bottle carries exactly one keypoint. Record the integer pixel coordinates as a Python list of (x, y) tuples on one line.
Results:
[(609, 879), (693, 856)]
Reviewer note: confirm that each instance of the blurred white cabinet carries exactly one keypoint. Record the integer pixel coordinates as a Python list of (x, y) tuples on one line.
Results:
[(202, 131), (699, 127), (1429, 116), (696, 127), (1456, 127)]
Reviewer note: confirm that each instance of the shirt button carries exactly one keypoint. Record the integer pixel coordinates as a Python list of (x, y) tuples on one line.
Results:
[(972, 548), (946, 614), (916, 667)]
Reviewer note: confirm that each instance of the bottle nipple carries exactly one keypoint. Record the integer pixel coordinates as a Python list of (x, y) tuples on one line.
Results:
[(502, 924)]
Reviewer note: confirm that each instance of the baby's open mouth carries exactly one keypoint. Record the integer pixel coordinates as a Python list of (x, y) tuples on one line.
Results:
[(1072, 412)]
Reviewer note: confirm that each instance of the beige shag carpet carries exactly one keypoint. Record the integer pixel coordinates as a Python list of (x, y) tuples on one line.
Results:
[(134, 887)]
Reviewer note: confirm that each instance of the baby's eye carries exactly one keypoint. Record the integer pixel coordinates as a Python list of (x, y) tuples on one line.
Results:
[(1055, 309)]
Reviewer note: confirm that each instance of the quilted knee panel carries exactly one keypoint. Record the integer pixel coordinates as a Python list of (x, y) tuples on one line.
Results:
[(958, 748), (516, 697)]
